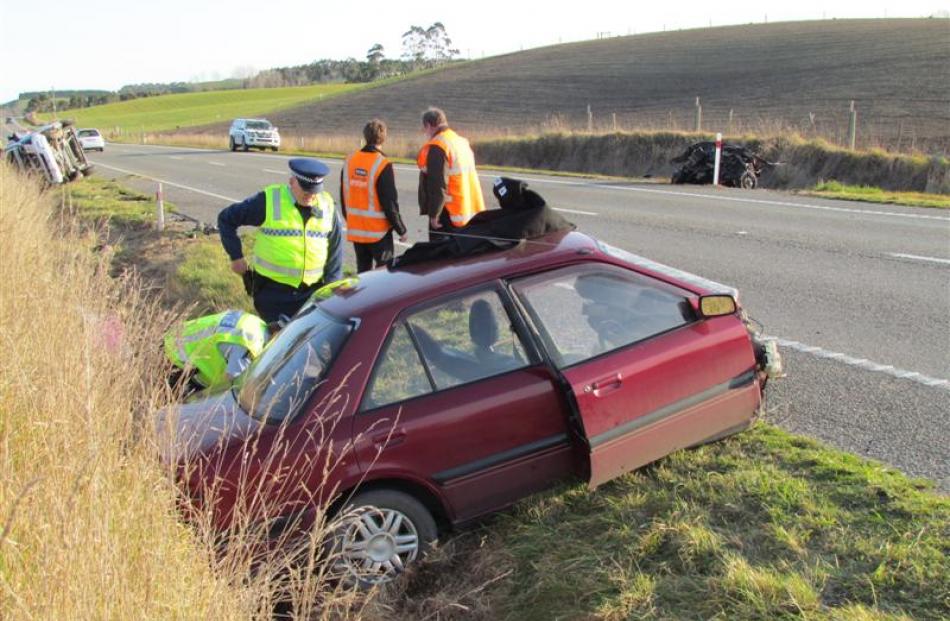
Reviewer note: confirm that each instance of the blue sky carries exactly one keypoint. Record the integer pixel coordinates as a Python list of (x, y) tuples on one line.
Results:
[(111, 43)]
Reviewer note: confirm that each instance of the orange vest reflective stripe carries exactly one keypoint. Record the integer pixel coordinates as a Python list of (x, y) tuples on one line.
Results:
[(464, 198), (366, 222)]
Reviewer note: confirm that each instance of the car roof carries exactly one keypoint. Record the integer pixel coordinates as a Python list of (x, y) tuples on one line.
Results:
[(397, 288)]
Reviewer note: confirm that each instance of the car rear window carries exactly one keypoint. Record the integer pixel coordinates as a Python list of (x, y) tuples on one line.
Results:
[(258, 125), (281, 380), (85, 133)]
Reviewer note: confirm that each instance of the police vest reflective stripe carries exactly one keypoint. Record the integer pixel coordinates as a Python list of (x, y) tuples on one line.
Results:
[(365, 221), (285, 249), (464, 198), (196, 343)]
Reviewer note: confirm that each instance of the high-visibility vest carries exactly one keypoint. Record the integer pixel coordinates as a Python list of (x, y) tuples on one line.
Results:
[(464, 198), (365, 220), (195, 343), (285, 249)]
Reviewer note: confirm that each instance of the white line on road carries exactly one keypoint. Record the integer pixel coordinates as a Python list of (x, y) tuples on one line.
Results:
[(217, 164), (918, 258), (175, 157), (583, 213), (863, 363), (171, 183), (276, 172)]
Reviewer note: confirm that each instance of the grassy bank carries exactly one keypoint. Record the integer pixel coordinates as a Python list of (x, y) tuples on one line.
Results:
[(152, 114), (802, 163), (89, 528), (833, 189)]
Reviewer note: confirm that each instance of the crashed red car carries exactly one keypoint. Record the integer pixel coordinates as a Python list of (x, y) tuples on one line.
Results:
[(436, 393)]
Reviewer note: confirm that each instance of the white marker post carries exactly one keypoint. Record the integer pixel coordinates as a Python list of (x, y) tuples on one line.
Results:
[(159, 209), (718, 158)]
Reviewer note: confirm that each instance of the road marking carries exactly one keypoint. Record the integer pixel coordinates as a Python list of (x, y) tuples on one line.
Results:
[(863, 363), (175, 157), (276, 172), (171, 183), (918, 258), (583, 213), (216, 163)]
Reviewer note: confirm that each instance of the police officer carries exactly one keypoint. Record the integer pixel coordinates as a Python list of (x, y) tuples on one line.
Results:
[(449, 191), (298, 245), (369, 200), (214, 349)]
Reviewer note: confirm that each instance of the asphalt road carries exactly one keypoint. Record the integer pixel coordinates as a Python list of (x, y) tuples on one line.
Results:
[(859, 294)]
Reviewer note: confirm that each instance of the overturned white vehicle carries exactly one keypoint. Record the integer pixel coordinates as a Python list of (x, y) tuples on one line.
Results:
[(51, 151)]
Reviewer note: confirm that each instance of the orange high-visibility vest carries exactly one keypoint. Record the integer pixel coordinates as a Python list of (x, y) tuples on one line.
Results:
[(464, 198), (366, 222)]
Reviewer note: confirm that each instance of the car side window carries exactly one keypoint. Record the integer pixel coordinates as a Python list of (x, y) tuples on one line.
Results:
[(585, 312), (467, 339), (399, 373)]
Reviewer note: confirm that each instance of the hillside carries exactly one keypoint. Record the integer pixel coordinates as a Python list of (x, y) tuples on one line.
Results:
[(771, 75)]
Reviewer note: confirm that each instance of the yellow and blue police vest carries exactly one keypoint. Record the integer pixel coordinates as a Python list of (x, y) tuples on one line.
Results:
[(285, 249), (196, 342)]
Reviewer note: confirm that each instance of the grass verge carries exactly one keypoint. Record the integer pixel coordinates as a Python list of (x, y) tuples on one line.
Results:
[(868, 194)]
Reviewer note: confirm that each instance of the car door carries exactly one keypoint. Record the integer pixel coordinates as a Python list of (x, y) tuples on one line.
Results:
[(649, 377), (459, 401)]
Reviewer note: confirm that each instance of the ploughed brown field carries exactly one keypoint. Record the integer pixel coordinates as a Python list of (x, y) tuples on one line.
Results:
[(770, 75)]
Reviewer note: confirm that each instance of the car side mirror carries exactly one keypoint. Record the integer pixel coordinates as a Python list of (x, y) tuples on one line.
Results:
[(717, 305)]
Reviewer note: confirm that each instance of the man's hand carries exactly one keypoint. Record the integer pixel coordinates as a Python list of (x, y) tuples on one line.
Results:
[(239, 266), (434, 223), (404, 237)]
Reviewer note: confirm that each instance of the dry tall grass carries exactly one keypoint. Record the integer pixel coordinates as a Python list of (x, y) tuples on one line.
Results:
[(89, 527)]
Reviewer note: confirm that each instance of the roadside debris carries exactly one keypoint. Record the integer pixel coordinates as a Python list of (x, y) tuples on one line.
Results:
[(739, 167), (51, 151)]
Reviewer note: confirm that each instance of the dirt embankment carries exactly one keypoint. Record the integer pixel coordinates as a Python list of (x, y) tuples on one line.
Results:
[(802, 163)]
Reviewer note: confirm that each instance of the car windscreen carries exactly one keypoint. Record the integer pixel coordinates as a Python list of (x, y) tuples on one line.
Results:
[(85, 133), (281, 380), (258, 125)]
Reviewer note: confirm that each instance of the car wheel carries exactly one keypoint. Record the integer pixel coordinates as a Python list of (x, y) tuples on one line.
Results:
[(274, 149), (231, 144), (244, 146), (382, 531), (747, 181)]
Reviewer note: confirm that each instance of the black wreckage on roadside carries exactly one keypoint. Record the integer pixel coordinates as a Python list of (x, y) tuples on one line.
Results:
[(739, 167)]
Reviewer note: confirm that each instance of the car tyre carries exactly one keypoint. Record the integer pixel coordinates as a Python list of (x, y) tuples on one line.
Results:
[(381, 532), (244, 146), (274, 149), (231, 144), (748, 181)]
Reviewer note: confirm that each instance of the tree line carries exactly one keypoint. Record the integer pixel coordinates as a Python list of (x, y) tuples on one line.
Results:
[(422, 48)]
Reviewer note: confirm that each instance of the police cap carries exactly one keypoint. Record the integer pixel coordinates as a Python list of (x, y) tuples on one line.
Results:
[(309, 172)]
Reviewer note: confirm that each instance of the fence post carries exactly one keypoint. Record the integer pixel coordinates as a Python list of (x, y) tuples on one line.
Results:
[(853, 127), (590, 120), (717, 160), (699, 115), (729, 128), (614, 114), (159, 209)]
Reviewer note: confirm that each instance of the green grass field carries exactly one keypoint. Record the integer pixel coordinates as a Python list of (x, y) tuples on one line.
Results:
[(152, 114), (833, 189)]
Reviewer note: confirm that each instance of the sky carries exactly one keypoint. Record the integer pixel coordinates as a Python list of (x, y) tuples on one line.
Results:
[(105, 44)]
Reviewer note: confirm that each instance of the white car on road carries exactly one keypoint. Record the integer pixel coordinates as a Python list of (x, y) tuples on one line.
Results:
[(247, 133), (91, 140)]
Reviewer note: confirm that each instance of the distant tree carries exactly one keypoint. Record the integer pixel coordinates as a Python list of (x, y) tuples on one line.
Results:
[(375, 54), (428, 46)]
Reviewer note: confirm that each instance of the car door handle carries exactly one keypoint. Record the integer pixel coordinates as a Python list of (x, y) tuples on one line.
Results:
[(387, 439), (605, 384)]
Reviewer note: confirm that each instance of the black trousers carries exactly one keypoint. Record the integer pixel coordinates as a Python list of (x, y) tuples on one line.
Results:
[(273, 299), (380, 253)]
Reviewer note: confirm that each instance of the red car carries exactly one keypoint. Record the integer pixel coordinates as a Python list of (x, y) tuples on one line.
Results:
[(430, 395)]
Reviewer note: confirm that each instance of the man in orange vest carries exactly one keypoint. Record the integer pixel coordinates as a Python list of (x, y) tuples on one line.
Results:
[(449, 191), (369, 200)]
